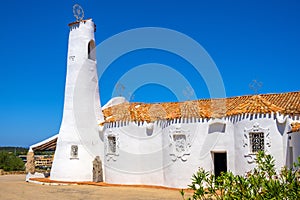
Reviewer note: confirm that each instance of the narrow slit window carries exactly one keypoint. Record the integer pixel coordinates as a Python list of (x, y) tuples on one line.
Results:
[(91, 50)]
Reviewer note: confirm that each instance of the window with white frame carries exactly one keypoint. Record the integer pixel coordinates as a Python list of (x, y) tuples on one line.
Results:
[(180, 142), (112, 144), (74, 152), (257, 141)]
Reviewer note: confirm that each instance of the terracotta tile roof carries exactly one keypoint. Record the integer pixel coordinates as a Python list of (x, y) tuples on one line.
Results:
[(284, 103), (295, 127), (255, 104)]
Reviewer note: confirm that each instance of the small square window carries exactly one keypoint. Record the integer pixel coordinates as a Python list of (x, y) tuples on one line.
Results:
[(74, 151)]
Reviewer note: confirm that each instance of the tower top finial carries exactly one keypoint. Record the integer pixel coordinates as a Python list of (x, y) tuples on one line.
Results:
[(78, 12), (255, 86)]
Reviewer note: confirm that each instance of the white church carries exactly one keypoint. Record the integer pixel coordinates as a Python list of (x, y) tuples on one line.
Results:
[(161, 144)]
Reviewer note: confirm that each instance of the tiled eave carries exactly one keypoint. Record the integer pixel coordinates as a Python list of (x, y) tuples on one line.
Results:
[(283, 103)]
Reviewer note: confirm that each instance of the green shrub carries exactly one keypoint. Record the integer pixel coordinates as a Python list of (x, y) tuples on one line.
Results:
[(10, 162), (261, 183)]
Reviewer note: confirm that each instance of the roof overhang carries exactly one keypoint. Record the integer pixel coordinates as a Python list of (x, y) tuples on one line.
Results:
[(45, 145)]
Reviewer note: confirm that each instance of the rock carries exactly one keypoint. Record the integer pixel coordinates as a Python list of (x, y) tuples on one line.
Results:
[(30, 166), (97, 170)]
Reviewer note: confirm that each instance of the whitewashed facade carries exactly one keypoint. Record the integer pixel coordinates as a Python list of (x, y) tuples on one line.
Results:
[(167, 149), (173, 150)]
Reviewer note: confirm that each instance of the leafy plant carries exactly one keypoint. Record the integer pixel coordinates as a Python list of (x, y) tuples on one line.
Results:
[(10, 162), (263, 182), (15, 150)]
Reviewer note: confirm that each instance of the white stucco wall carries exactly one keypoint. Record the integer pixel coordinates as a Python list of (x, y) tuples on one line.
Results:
[(275, 142), (145, 158), (81, 111)]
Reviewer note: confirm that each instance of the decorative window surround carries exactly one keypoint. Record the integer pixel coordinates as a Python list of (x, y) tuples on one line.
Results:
[(180, 143), (74, 152), (255, 139), (111, 145)]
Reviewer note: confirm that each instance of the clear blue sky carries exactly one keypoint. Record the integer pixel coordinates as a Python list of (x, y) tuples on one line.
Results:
[(247, 40)]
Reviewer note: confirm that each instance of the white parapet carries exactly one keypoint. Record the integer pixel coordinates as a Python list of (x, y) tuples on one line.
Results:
[(79, 141)]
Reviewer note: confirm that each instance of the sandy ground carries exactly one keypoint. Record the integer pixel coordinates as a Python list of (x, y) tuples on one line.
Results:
[(14, 187)]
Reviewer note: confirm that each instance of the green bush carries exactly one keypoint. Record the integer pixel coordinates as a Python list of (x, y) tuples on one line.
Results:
[(10, 162), (263, 182)]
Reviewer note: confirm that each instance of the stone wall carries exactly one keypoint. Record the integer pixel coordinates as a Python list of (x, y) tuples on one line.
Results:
[(2, 172), (30, 167)]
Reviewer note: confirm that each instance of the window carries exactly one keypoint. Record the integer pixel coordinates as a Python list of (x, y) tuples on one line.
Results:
[(112, 142), (217, 128), (111, 145), (91, 50), (180, 142), (74, 151), (257, 142), (256, 139)]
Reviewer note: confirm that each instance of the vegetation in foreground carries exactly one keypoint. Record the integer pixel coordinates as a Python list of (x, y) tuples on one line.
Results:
[(10, 162), (263, 182)]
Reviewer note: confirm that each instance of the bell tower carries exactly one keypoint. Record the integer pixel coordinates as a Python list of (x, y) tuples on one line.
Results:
[(79, 142)]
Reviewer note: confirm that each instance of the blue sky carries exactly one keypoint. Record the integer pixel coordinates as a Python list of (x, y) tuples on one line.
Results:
[(247, 40)]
